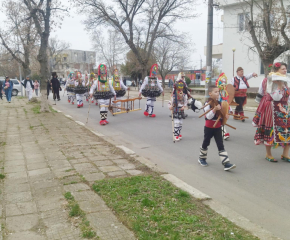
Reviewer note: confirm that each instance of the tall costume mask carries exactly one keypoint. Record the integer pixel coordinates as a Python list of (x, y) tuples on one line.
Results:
[(102, 72), (221, 83), (153, 71), (179, 87), (116, 80)]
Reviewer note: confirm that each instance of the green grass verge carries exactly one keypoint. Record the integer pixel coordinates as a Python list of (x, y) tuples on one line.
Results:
[(77, 212), (155, 209), (2, 176), (52, 110)]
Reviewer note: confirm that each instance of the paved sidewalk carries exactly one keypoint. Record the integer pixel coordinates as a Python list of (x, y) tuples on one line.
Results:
[(45, 155)]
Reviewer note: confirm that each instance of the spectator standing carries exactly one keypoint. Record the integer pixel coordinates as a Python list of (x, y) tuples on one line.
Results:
[(8, 86), (29, 87), (170, 83), (36, 87), (55, 87)]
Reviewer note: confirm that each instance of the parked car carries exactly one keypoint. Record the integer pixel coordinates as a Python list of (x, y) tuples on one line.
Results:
[(16, 86)]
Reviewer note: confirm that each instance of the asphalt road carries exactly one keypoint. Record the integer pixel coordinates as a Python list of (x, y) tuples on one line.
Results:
[(257, 189)]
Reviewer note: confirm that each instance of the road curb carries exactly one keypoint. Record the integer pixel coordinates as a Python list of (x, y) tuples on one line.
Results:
[(222, 209)]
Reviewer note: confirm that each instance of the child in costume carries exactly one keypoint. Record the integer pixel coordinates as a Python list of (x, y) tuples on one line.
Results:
[(214, 131), (221, 83), (119, 88), (151, 88), (69, 87), (79, 84), (103, 91), (177, 105)]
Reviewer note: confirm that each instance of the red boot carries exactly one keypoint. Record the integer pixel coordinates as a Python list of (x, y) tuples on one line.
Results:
[(106, 121), (93, 101), (82, 105), (68, 101), (72, 103), (152, 115), (180, 137), (96, 103), (79, 106), (102, 122), (146, 113)]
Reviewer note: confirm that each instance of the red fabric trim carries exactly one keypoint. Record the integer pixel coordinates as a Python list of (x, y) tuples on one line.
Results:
[(241, 93), (210, 123), (237, 83)]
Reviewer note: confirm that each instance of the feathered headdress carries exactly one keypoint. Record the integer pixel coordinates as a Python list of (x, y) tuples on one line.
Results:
[(92, 75), (153, 71), (102, 72), (221, 82), (116, 75)]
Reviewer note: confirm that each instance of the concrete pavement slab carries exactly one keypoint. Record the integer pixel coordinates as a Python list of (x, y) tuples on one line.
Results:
[(29, 235), (18, 197), (92, 177), (21, 223), (107, 169), (21, 208)]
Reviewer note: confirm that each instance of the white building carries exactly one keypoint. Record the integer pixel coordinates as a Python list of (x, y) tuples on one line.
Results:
[(236, 36)]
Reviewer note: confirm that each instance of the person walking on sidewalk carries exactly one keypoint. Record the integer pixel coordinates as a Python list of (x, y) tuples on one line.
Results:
[(8, 86), (1, 91), (36, 87), (241, 85), (214, 131), (29, 87), (55, 84)]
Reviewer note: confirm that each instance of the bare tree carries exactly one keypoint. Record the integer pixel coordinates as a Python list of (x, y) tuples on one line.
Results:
[(170, 55), (140, 22), (19, 36), (268, 29), (110, 49), (55, 49)]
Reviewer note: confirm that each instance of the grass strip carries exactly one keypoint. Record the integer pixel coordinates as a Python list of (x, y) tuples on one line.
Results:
[(36, 109), (79, 214), (155, 209)]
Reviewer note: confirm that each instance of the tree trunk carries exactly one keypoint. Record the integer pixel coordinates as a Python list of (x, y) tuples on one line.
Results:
[(44, 75), (266, 64)]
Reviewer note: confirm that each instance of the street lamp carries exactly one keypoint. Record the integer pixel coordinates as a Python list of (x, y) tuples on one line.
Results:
[(234, 61)]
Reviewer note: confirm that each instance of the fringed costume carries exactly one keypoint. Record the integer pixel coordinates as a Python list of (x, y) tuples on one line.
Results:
[(69, 86), (151, 88), (119, 88), (80, 89), (103, 91)]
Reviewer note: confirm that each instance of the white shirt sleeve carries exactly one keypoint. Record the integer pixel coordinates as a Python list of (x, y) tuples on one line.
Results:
[(233, 81), (145, 82), (123, 85), (261, 91), (159, 85), (93, 87), (249, 76), (209, 115)]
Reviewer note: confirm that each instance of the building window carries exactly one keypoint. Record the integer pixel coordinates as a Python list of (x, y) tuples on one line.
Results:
[(243, 19), (64, 59)]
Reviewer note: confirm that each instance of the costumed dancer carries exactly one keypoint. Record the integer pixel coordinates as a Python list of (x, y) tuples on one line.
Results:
[(221, 83), (90, 84), (214, 131), (151, 88), (87, 83), (177, 105), (119, 88), (80, 89), (103, 91), (69, 87), (241, 85), (273, 117)]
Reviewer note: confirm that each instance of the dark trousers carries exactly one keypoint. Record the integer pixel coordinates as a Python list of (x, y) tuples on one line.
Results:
[(56, 94), (218, 137), (240, 101), (1, 94)]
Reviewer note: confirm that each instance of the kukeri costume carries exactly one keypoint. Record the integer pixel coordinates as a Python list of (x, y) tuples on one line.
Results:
[(151, 88), (178, 103), (69, 86), (119, 88), (103, 91), (80, 89), (221, 83)]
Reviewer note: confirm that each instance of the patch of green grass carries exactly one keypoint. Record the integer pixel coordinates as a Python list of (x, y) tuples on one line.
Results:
[(69, 170), (2, 176), (2, 144), (36, 109), (25, 111), (69, 196), (31, 127), (77, 212), (155, 209), (20, 97), (72, 182)]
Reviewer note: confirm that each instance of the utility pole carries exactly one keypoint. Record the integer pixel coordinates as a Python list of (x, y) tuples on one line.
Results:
[(209, 47)]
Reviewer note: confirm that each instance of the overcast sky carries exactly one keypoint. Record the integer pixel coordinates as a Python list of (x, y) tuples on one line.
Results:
[(73, 31)]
